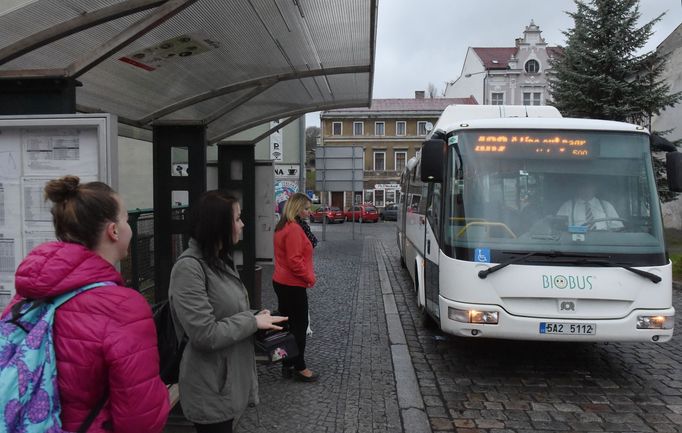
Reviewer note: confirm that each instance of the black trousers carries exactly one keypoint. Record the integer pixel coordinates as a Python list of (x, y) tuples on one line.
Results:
[(293, 303), (221, 427)]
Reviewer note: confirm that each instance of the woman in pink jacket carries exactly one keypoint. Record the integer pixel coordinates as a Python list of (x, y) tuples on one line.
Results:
[(294, 274), (104, 338)]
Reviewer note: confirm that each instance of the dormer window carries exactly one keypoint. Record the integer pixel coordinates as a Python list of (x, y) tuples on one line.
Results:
[(532, 66)]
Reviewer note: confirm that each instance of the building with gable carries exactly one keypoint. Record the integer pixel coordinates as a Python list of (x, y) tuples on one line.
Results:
[(515, 75), (390, 131)]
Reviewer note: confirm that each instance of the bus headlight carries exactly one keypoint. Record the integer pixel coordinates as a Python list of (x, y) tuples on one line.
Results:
[(655, 322), (473, 316)]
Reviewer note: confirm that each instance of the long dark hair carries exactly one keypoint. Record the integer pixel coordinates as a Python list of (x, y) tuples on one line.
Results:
[(80, 211), (210, 224)]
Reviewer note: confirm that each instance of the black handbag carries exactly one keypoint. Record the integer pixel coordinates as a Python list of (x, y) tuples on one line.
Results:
[(276, 345)]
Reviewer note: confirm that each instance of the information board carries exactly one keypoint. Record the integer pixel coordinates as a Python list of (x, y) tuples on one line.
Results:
[(33, 150)]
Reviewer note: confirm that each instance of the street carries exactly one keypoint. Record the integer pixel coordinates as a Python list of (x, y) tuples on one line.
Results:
[(489, 385)]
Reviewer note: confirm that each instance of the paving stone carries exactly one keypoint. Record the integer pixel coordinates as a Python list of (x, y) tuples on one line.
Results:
[(470, 385)]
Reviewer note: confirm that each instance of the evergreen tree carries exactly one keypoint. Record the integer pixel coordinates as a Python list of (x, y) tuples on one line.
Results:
[(600, 75)]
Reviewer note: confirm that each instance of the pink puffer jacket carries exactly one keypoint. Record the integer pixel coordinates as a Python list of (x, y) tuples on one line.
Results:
[(104, 338)]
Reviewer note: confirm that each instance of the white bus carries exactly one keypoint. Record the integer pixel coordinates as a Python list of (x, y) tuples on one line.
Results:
[(516, 223)]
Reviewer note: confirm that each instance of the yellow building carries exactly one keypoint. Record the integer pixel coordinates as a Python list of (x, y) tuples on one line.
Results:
[(390, 132)]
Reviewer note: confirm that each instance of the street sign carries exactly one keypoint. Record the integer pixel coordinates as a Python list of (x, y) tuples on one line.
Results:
[(286, 171), (276, 148), (339, 168)]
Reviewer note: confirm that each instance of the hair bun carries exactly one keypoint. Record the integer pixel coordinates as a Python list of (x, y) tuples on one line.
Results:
[(62, 189)]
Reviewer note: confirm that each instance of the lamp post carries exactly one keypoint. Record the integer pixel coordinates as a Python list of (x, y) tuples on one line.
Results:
[(485, 79)]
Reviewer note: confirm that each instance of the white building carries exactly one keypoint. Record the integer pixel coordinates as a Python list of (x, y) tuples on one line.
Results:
[(671, 118), (507, 75)]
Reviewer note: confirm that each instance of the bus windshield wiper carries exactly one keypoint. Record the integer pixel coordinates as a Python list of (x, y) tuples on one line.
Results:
[(611, 264), (578, 259), (484, 273)]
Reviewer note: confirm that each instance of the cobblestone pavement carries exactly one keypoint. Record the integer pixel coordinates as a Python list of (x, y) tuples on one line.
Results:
[(465, 385), (472, 385), (349, 348)]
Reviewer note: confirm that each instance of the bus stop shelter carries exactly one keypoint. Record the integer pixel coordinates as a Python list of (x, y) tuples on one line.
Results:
[(186, 73)]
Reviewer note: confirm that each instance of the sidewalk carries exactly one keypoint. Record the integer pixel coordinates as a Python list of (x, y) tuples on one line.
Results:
[(357, 346)]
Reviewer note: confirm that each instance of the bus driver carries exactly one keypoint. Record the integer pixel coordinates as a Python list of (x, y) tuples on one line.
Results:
[(588, 210)]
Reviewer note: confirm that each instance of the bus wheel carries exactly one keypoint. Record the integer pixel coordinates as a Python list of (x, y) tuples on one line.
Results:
[(428, 322)]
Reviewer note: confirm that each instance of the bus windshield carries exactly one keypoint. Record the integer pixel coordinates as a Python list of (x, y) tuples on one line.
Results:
[(570, 191)]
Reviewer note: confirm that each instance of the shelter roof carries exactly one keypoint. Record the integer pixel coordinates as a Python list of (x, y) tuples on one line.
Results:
[(231, 64)]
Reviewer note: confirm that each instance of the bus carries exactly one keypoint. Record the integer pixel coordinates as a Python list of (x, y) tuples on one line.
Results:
[(493, 227)]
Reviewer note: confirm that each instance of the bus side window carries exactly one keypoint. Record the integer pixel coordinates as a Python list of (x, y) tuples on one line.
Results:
[(414, 203), (433, 208)]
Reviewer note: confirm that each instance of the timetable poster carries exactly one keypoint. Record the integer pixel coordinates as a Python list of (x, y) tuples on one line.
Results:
[(34, 150)]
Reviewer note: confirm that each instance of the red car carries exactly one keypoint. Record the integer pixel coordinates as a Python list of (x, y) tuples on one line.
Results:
[(331, 214), (363, 213)]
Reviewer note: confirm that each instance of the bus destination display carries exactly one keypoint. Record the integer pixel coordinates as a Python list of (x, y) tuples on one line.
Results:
[(529, 146)]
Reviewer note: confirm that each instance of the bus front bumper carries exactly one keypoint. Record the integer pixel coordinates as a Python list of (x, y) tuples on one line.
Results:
[(553, 329)]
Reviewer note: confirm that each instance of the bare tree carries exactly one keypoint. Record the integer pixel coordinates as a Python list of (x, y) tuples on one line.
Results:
[(432, 90)]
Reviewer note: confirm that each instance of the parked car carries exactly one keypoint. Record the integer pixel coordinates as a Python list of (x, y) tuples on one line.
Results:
[(390, 212), (362, 212), (330, 213)]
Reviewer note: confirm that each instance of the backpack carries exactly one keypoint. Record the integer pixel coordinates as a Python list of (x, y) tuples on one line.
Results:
[(170, 347), (29, 397)]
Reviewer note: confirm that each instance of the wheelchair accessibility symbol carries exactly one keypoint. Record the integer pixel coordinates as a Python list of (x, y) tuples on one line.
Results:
[(482, 255)]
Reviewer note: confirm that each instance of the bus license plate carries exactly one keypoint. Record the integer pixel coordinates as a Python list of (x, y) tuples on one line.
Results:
[(568, 328)]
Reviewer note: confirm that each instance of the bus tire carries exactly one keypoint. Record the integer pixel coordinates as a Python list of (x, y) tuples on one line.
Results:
[(416, 285), (428, 322)]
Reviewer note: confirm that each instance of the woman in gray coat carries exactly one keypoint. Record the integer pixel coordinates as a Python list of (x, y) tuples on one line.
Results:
[(211, 306)]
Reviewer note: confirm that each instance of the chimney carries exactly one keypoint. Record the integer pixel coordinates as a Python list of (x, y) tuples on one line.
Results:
[(418, 94)]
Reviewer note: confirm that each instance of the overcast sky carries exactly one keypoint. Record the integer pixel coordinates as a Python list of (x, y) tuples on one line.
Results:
[(425, 41)]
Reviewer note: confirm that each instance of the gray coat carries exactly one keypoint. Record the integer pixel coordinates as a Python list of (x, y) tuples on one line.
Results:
[(218, 369)]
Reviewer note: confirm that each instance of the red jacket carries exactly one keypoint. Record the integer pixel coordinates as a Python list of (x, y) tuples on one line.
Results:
[(104, 339), (293, 257)]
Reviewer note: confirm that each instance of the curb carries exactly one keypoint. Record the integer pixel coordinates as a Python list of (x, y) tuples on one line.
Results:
[(410, 400)]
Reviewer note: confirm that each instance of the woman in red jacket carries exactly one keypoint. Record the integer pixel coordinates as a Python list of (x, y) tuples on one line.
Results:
[(294, 274), (104, 338)]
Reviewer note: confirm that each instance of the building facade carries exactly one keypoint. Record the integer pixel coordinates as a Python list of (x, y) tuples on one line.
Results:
[(390, 132), (670, 119), (515, 75)]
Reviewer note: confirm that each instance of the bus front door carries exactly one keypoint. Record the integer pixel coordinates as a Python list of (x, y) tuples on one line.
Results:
[(432, 249)]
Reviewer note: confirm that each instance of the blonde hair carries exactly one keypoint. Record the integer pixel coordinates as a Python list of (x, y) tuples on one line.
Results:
[(292, 208)]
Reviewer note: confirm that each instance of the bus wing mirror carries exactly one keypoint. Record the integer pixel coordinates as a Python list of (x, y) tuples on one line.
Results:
[(673, 162), (660, 144), (433, 157)]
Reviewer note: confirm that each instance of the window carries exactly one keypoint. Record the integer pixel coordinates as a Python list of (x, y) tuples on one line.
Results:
[(369, 196), (379, 161), (532, 66), (400, 158), (379, 128), (358, 128), (378, 197), (421, 128), (497, 98), (400, 127), (390, 196), (336, 128), (532, 98), (433, 208)]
